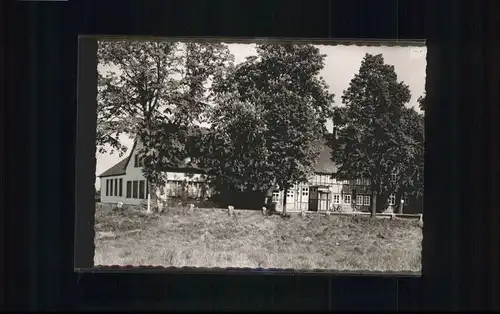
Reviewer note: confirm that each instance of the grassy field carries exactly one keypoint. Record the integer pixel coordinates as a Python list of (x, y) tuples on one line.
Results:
[(210, 238)]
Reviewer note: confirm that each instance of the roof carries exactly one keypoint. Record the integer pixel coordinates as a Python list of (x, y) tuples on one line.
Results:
[(120, 168), (324, 163), (116, 170)]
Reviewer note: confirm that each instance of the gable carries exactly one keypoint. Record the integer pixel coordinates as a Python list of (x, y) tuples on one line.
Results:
[(132, 151)]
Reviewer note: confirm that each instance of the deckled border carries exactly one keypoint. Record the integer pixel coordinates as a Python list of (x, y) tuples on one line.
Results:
[(86, 160)]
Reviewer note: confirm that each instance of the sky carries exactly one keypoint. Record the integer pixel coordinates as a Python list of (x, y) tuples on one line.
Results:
[(341, 64)]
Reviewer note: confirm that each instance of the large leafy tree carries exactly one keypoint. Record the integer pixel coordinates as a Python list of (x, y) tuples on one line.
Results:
[(109, 125), (271, 110), (377, 136), (411, 179), (155, 91)]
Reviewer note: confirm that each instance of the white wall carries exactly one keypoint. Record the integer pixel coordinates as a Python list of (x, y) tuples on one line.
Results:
[(135, 174), (112, 198), (132, 174), (298, 196), (180, 176)]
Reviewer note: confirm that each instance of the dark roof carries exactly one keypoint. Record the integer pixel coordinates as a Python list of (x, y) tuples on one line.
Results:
[(324, 164), (116, 170), (120, 168)]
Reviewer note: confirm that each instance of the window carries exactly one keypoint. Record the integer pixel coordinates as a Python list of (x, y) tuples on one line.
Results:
[(134, 189), (111, 187), (276, 196), (141, 189), (175, 188), (137, 161), (405, 200), (392, 200), (359, 200), (394, 177), (347, 199), (129, 189), (107, 187), (116, 187), (197, 190), (336, 199), (121, 188), (366, 200), (289, 194), (170, 188), (305, 191), (360, 181)]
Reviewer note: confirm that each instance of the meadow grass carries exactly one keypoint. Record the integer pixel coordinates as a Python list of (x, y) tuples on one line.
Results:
[(208, 237)]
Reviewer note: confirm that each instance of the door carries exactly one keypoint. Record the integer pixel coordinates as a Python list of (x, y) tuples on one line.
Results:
[(323, 201), (313, 199)]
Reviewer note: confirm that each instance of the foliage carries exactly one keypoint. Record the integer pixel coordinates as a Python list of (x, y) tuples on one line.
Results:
[(421, 102), (377, 136), (156, 90), (270, 111), (109, 126), (411, 179)]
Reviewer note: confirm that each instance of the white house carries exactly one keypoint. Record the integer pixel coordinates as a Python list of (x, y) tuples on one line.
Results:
[(125, 182), (324, 193)]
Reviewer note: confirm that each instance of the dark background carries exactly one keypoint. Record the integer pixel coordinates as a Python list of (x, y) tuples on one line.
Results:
[(462, 223)]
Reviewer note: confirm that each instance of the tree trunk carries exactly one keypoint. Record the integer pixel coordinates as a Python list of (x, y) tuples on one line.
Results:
[(152, 188), (283, 210), (148, 196), (374, 204)]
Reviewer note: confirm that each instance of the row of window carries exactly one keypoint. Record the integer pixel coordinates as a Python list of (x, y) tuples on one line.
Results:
[(192, 189), (327, 179), (114, 187), (360, 199), (139, 189), (135, 189)]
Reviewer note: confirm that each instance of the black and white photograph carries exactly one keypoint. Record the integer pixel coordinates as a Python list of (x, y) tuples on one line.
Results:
[(260, 154)]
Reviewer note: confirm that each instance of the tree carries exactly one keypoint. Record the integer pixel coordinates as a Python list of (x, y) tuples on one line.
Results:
[(109, 127), (271, 110), (421, 102), (411, 179), (155, 91), (374, 140)]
